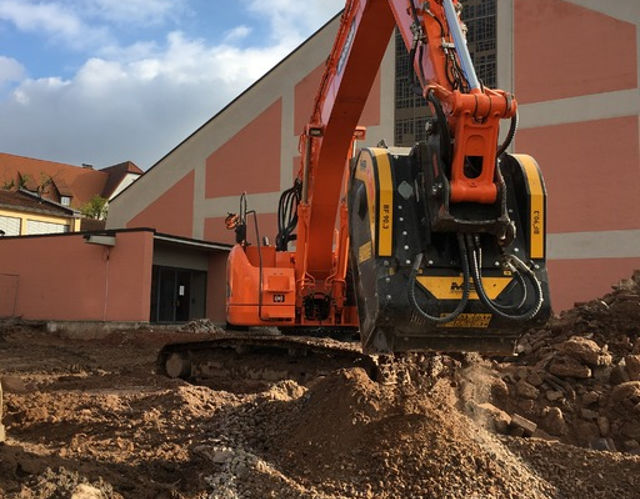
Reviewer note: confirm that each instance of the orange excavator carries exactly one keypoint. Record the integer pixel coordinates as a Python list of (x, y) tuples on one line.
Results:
[(440, 246)]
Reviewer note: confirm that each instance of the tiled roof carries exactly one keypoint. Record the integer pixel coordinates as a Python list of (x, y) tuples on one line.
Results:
[(24, 201), (117, 173), (78, 182)]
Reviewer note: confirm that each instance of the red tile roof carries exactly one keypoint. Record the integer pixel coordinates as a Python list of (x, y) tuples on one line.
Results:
[(78, 182), (24, 201)]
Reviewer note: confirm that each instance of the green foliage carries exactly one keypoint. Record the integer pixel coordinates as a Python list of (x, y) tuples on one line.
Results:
[(96, 208)]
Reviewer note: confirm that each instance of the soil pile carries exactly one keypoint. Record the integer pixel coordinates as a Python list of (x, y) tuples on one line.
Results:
[(578, 379), (92, 419)]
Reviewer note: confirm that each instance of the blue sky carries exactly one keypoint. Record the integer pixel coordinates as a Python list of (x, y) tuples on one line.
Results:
[(103, 81)]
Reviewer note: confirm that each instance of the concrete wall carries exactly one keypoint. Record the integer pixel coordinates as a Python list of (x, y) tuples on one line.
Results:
[(64, 278)]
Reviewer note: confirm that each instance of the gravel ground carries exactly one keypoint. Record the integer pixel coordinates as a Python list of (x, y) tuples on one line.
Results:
[(91, 419)]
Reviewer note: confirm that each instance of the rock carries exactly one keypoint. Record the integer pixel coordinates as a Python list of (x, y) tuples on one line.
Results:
[(631, 429), (528, 427), (499, 389), (586, 431), (553, 395), (527, 390), (604, 426), (619, 375), (544, 435), (631, 444), (222, 456), (636, 346), (632, 366), (602, 374), (569, 367), (588, 414), (13, 384), (603, 444), (84, 491), (527, 406), (590, 397), (585, 350), (535, 379), (495, 418), (627, 394), (554, 421)]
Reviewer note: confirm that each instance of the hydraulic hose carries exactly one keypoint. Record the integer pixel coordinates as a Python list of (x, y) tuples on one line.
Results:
[(490, 304), (513, 128), (466, 286), (518, 276), (445, 133)]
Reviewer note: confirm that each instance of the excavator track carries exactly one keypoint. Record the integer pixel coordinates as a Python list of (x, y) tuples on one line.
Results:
[(248, 362)]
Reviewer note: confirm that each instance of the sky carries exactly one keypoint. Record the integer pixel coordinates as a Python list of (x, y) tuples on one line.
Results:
[(105, 81)]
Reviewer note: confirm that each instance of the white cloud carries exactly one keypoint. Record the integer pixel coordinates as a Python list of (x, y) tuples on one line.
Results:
[(138, 109), (295, 19), (53, 19), (236, 34), (10, 70), (132, 11), (139, 101)]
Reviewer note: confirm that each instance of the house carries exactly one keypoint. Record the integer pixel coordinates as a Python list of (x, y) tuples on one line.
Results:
[(24, 213), (68, 185)]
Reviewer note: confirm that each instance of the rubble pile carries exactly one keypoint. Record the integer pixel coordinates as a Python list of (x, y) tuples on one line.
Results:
[(200, 326), (92, 419), (578, 380)]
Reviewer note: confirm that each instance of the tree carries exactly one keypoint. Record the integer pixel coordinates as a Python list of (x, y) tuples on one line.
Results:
[(96, 208)]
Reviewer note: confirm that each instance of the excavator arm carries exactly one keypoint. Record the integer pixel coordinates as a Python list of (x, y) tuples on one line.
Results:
[(439, 246)]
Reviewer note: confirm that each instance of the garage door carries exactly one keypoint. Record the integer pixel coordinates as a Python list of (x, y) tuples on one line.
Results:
[(37, 227), (10, 226)]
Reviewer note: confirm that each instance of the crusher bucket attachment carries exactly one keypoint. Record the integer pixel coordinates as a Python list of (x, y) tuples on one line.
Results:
[(430, 275)]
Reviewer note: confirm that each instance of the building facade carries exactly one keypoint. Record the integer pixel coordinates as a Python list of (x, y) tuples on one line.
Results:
[(572, 64)]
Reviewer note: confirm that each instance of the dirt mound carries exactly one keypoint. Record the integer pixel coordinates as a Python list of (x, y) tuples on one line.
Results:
[(93, 419), (579, 378), (349, 435)]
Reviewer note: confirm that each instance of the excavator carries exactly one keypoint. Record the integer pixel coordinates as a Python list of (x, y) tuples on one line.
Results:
[(436, 247)]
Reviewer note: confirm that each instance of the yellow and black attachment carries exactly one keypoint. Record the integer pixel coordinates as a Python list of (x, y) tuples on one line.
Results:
[(462, 278)]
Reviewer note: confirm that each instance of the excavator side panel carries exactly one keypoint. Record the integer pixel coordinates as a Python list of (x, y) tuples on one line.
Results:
[(258, 297)]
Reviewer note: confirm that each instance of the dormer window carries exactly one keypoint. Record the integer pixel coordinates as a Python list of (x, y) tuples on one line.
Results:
[(65, 200)]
